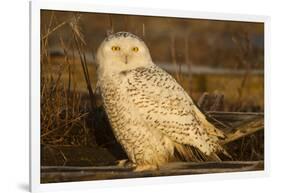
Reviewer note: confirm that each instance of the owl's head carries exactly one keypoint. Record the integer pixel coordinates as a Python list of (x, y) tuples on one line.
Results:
[(122, 51)]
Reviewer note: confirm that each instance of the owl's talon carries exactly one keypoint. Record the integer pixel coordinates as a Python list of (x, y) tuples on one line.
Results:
[(143, 168), (124, 163)]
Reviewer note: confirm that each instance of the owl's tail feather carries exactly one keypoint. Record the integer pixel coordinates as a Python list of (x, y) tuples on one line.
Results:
[(189, 153)]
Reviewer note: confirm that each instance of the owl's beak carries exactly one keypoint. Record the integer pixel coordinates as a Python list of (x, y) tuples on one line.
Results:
[(126, 59)]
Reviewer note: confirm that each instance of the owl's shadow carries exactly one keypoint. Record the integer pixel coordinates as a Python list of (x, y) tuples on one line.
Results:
[(103, 134)]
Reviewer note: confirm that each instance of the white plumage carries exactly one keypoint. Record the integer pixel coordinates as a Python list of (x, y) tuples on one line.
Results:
[(151, 115)]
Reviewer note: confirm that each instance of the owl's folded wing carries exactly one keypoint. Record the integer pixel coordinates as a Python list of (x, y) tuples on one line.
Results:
[(164, 105)]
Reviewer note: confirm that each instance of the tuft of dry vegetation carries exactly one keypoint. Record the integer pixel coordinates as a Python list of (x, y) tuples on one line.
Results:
[(63, 113)]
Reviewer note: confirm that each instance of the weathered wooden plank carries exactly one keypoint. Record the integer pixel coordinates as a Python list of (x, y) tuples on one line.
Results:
[(238, 124), (67, 174), (245, 129)]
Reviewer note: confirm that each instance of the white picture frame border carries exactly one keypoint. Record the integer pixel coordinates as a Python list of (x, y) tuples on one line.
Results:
[(94, 6)]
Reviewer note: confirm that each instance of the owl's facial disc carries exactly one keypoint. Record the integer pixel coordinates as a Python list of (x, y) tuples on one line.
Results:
[(125, 50), (119, 53)]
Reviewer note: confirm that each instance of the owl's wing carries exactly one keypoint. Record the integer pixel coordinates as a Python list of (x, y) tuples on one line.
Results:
[(164, 105)]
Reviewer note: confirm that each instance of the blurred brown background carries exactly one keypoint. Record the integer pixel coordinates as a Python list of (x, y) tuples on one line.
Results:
[(207, 55), (220, 57)]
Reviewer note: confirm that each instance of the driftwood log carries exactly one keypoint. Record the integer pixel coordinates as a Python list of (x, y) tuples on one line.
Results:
[(66, 174), (237, 124)]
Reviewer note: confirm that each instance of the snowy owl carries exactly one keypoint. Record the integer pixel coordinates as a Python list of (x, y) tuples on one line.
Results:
[(151, 115)]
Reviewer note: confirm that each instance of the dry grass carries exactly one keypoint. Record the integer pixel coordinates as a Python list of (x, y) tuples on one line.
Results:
[(63, 113)]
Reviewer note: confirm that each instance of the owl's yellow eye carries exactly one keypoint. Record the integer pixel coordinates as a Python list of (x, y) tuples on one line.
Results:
[(115, 48), (135, 49)]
